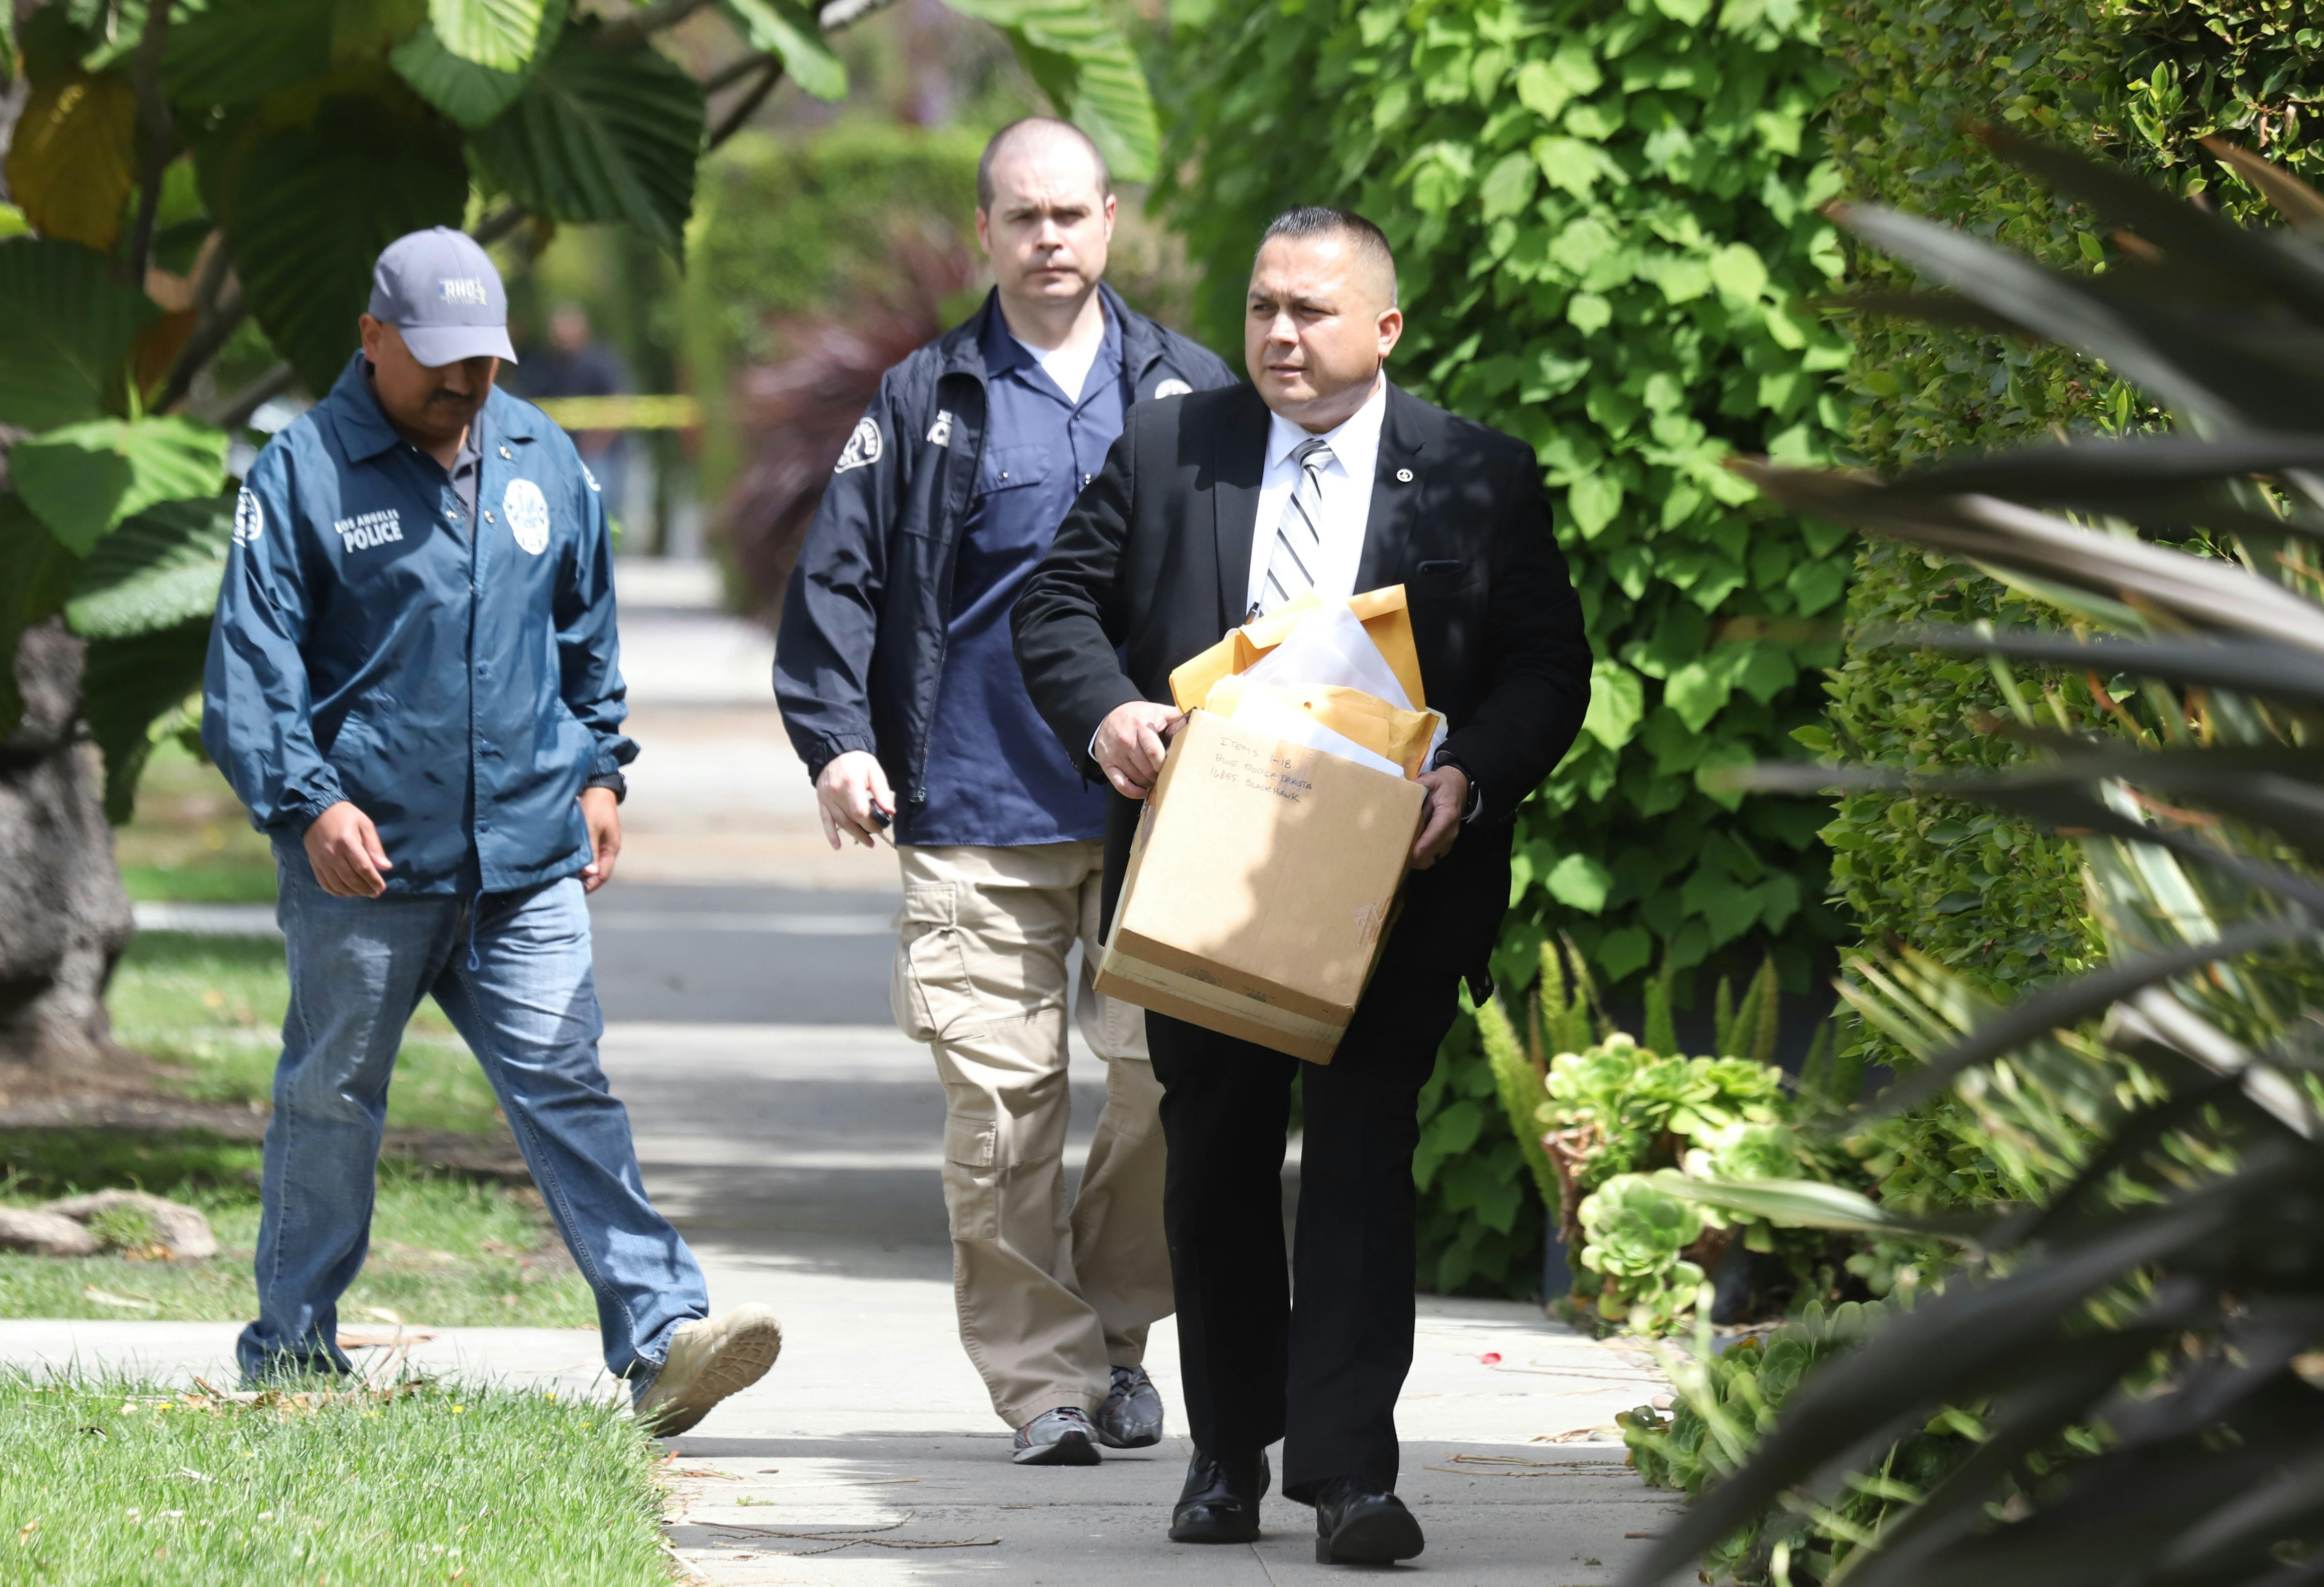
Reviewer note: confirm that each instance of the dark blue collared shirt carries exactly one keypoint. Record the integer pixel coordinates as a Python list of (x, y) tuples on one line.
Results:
[(439, 650), (996, 774)]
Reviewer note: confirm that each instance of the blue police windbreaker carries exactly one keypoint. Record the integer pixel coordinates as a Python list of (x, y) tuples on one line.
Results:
[(460, 692)]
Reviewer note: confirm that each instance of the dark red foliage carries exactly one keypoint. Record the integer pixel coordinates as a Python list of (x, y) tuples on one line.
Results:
[(800, 412)]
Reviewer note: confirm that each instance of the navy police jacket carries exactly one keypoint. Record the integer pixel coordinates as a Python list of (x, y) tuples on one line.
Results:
[(461, 690), (861, 645)]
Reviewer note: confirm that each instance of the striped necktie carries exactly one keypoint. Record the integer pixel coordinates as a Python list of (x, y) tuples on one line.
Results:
[(1298, 539)]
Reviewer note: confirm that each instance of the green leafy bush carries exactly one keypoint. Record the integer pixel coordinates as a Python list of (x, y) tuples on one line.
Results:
[(1482, 1221)]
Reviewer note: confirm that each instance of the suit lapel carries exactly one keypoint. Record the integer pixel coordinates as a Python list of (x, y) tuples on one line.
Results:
[(1397, 480), (1238, 462)]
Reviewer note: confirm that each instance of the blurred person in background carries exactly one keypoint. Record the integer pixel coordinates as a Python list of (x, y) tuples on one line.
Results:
[(901, 692), (576, 364), (413, 684)]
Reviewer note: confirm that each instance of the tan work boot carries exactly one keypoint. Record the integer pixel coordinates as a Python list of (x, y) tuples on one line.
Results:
[(709, 1359)]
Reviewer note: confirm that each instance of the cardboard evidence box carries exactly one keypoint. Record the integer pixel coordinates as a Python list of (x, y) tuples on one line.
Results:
[(1261, 888)]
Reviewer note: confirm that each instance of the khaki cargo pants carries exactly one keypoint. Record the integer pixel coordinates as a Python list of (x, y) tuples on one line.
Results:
[(1048, 1302)]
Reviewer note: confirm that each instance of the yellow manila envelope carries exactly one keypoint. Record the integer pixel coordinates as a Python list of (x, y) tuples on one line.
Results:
[(1382, 612), (1400, 738)]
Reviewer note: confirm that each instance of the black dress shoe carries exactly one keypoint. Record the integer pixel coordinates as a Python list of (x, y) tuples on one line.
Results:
[(1220, 1503), (1359, 1525)]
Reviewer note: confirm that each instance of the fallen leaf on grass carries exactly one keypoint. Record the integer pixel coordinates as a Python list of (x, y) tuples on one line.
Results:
[(106, 1297)]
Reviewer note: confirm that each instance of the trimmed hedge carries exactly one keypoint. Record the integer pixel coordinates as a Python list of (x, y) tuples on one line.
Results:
[(1603, 215), (1993, 898)]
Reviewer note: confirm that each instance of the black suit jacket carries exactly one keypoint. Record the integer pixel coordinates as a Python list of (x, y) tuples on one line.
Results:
[(1153, 565)]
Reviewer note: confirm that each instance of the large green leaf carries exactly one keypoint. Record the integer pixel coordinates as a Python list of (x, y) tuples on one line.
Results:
[(602, 136), (157, 569), (788, 30), (82, 479), (127, 686), (364, 30), (2066, 309), (72, 157), (36, 575), (470, 94), (1086, 66), (506, 35), (236, 51), (309, 208), (66, 328), (1791, 1204)]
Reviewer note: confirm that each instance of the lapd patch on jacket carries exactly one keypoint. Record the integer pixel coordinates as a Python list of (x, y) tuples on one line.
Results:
[(862, 447), (249, 517), (940, 432), (528, 514), (366, 529), (1171, 388)]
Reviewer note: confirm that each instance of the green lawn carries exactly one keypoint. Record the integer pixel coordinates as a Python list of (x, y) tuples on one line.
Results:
[(444, 1251), (123, 1485), (191, 841), (212, 1006)]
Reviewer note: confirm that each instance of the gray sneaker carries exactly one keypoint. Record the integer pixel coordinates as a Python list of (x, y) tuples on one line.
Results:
[(1131, 1416), (1061, 1437)]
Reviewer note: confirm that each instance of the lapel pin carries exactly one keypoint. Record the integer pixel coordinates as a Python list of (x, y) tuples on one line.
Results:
[(1404, 476)]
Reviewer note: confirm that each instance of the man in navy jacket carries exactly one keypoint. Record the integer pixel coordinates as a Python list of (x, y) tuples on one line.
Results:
[(412, 685), (902, 694)]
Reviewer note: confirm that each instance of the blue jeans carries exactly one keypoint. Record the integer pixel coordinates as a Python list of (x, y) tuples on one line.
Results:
[(515, 981)]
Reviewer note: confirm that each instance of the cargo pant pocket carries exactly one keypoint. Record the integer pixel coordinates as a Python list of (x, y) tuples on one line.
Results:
[(972, 1179), (928, 989)]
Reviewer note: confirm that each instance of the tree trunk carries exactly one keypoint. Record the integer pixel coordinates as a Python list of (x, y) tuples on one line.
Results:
[(66, 919)]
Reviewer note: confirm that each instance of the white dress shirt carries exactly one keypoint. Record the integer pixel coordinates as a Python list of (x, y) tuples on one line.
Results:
[(1346, 483)]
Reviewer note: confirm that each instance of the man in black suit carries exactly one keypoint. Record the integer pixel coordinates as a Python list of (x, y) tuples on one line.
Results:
[(1211, 506)]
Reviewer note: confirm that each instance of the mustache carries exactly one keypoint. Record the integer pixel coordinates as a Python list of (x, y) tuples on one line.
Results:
[(447, 394)]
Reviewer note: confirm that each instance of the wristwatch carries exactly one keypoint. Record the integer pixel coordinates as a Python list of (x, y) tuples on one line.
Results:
[(1476, 791), (612, 780)]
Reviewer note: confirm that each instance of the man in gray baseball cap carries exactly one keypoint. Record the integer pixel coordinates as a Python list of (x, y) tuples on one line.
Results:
[(440, 291), (413, 685)]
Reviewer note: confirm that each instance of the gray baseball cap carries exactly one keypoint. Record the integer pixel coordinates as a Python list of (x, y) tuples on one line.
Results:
[(438, 288)]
